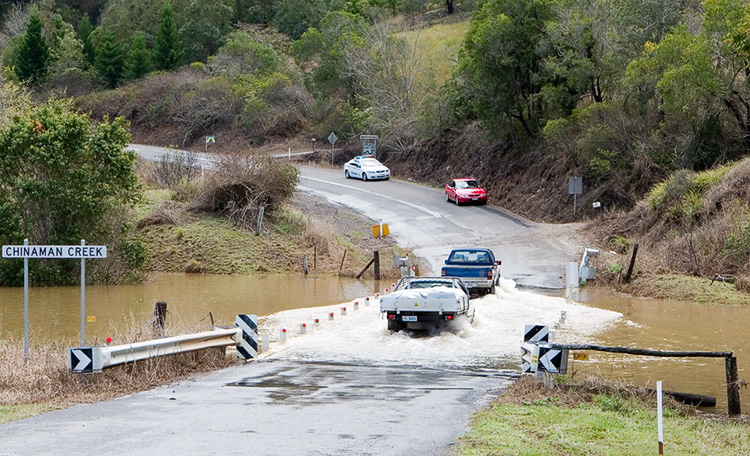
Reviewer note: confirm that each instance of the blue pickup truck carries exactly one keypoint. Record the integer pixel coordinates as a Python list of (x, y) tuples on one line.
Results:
[(477, 268)]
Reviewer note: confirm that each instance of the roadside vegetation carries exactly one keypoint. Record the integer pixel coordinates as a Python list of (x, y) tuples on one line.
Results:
[(595, 417), (44, 383), (640, 108)]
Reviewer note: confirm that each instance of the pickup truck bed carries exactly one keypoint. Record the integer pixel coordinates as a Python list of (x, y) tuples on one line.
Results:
[(425, 303)]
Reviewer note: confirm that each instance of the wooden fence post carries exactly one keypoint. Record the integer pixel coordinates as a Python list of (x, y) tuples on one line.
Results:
[(343, 257), (632, 263), (376, 270), (160, 318), (733, 386)]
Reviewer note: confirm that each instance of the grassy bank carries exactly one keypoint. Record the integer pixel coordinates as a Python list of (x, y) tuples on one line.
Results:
[(209, 224), (591, 417)]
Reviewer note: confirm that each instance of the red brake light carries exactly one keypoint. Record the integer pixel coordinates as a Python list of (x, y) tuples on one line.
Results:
[(391, 316), (449, 317)]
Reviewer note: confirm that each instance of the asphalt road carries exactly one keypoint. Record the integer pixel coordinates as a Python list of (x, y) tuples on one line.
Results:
[(296, 407), (419, 218)]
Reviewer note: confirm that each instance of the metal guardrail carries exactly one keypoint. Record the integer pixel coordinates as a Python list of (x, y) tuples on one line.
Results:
[(94, 359)]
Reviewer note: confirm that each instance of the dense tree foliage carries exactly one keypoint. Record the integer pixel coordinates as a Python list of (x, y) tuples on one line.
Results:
[(33, 56), (110, 61), (84, 35), (62, 180), (168, 51), (138, 62)]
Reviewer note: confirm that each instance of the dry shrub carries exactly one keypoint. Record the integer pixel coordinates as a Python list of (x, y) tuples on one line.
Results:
[(742, 283), (167, 213), (243, 184)]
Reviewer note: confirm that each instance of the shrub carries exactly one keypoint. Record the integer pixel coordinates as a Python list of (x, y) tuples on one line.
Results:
[(242, 185)]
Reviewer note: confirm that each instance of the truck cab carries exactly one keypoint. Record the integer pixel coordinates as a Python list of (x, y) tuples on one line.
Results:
[(476, 267)]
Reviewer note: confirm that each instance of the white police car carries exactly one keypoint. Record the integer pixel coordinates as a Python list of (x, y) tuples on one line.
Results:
[(366, 168)]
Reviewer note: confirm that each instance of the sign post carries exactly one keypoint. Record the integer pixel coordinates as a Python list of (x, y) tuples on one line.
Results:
[(575, 188), (210, 140), (26, 305), (27, 251), (332, 139)]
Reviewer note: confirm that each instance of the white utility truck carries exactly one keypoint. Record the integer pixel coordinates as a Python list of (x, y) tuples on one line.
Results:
[(426, 303)]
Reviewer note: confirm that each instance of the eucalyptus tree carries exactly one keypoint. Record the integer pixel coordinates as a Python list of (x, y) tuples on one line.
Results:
[(499, 75)]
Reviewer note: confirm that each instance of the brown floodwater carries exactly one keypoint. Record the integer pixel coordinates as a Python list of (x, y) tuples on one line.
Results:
[(54, 315), (673, 326), (55, 312)]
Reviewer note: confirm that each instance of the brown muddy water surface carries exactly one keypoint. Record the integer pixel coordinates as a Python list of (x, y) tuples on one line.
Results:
[(671, 326), (55, 312)]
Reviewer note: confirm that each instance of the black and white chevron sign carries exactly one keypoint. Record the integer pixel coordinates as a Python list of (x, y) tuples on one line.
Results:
[(249, 346), (536, 333), (553, 360), (81, 359)]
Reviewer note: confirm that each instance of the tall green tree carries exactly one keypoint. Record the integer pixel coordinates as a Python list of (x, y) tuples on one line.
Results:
[(206, 28), (500, 70), (138, 62), (168, 52), (33, 57), (62, 180), (85, 28), (110, 60)]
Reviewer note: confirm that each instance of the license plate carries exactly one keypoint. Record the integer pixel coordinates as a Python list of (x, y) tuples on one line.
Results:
[(409, 318), (474, 199)]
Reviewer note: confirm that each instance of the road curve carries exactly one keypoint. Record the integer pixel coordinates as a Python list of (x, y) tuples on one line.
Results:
[(419, 218)]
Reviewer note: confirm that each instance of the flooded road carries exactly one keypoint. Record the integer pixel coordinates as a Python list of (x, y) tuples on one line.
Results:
[(492, 342)]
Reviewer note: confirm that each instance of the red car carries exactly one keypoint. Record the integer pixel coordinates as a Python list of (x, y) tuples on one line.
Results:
[(465, 190)]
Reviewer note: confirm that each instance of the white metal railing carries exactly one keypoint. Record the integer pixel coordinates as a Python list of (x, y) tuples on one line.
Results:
[(94, 359)]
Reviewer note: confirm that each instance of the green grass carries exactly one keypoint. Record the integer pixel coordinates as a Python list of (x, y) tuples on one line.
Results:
[(19, 412), (438, 46), (609, 425), (688, 288)]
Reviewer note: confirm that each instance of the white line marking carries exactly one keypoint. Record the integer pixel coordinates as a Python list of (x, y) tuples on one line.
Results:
[(419, 208)]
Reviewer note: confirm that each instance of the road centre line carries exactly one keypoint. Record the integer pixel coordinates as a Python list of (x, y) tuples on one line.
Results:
[(412, 205)]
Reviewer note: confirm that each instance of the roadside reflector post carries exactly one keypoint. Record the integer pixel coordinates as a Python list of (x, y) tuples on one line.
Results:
[(367, 301), (571, 281), (316, 323), (330, 316), (659, 418), (343, 311), (248, 345), (282, 336), (303, 328), (356, 305)]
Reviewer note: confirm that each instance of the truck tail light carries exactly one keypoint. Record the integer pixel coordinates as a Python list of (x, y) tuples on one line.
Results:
[(489, 274), (442, 272), (449, 317), (391, 316)]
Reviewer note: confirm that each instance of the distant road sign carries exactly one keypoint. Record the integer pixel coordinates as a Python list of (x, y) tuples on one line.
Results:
[(575, 185), (210, 139), (55, 251), (332, 138)]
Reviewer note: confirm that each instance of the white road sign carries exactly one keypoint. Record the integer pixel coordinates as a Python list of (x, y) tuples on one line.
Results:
[(55, 251)]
